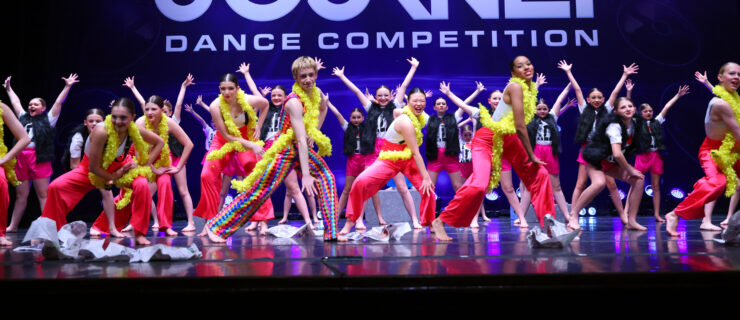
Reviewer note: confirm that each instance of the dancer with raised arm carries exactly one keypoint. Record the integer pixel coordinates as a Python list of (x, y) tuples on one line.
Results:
[(718, 154), (503, 135), (7, 164), (34, 162), (300, 119)]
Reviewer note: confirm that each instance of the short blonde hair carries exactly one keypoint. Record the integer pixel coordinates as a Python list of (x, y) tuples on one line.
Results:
[(302, 63)]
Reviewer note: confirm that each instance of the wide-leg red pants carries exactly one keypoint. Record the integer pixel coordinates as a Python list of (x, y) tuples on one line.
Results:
[(136, 213), (4, 202), (461, 210), (707, 189), (377, 175)]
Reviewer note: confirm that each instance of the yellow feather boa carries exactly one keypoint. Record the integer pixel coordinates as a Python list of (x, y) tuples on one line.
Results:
[(506, 126), (231, 127), (9, 166), (109, 154), (405, 154), (163, 130), (284, 140), (724, 157)]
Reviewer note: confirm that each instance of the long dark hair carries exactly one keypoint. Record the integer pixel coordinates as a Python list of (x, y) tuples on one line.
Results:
[(82, 130)]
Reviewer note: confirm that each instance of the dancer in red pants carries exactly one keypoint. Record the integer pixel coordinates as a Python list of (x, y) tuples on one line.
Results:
[(7, 163), (503, 135)]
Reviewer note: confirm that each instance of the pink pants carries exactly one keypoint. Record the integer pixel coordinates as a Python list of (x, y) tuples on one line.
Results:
[(136, 213), (461, 210), (377, 175), (210, 178), (707, 189), (4, 202)]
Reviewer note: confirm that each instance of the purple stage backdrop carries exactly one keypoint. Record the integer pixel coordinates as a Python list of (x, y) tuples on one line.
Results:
[(161, 41)]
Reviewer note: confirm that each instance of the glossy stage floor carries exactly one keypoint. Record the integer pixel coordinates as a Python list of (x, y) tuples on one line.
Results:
[(494, 258)]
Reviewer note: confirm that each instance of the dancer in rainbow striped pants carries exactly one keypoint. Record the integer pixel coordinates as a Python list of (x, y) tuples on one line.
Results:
[(289, 151)]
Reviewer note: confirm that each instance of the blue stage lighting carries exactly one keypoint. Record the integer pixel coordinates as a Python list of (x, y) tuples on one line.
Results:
[(492, 196), (582, 212), (592, 211), (518, 193), (622, 195), (677, 193), (649, 190)]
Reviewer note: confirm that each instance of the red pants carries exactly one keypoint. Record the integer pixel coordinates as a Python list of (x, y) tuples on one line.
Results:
[(4, 202), (164, 201), (377, 175), (137, 211), (210, 179), (461, 210), (707, 189)]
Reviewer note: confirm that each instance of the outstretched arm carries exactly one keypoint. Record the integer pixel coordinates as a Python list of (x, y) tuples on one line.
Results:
[(323, 109), (541, 80), (18, 132), (68, 83), (632, 69), (340, 73), (336, 112), (464, 122), (563, 65), (629, 85), (682, 91), (244, 69), (129, 82), (406, 81), (200, 102), (177, 112), (445, 88), (702, 78), (559, 101), (200, 119), (14, 101)]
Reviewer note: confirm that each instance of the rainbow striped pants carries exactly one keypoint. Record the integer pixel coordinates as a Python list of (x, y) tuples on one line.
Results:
[(241, 209)]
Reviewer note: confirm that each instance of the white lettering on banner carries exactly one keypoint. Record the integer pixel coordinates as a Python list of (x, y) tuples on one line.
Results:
[(439, 9), (388, 40)]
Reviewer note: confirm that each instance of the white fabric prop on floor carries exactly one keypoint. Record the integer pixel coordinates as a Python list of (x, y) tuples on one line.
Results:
[(288, 231), (558, 237), (69, 244), (382, 233), (731, 234)]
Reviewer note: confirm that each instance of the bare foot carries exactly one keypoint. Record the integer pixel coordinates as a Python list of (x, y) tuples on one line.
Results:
[(5, 242), (342, 239), (516, 222), (708, 226), (94, 232), (659, 219), (347, 227), (417, 225), (360, 225), (725, 223), (169, 232), (263, 228), (439, 230), (252, 226), (474, 224), (15, 229), (127, 228), (203, 233), (671, 220), (283, 221), (189, 228), (623, 217), (113, 233), (485, 218), (141, 240), (213, 237), (155, 227), (315, 221), (633, 225), (382, 222), (573, 224)]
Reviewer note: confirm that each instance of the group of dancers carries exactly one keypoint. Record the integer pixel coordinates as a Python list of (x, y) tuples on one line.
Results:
[(265, 142)]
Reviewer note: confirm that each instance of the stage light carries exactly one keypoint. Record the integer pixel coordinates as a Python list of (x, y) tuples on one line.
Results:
[(559, 128), (592, 211), (582, 212), (622, 195), (492, 196), (228, 199), (677, 193), (649, 190), (518, 193)]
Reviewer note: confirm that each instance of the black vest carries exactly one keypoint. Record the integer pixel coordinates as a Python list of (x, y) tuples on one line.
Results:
[(600, 147), (368, 133), (82, 130), (551, 125), (43, 135), (586, 122), (452, 140), (350, 138), (271, 112), (176, 147), (654, 130)]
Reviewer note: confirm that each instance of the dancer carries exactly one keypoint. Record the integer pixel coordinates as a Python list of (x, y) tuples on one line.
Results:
[(466, 164), (717, 155), (34, 163), (379, 115), (163, 166), (591, 112), (73, 154), (651, 144), (503, 135), (7, 164), (269, 124), (290, 149), (443, 140), (606, 154), (355, 158), (544, 135), (106, 159), (400, 153), (235, 119)]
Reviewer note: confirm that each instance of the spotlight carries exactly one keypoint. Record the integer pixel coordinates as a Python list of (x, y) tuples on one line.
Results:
[(228, 199), (621, 194), (592, 211), (649, 190), (677, 193), (518, 193), (559, 128), (582, 212), (492, 196)]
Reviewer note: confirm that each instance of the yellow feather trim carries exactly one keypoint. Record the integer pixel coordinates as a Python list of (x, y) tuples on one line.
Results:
[(724, 157), (231, 127), (9, 166)]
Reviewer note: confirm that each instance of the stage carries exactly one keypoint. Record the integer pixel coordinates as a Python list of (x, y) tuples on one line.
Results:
[(494, 258)]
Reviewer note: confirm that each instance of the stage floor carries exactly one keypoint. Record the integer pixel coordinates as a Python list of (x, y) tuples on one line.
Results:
[(493, 256)]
